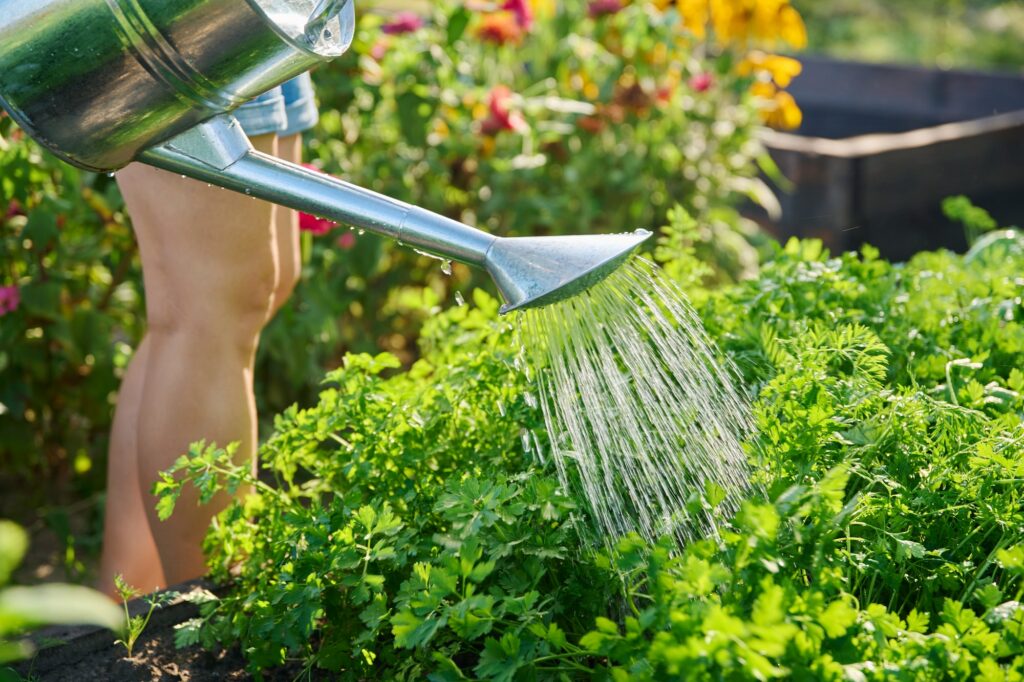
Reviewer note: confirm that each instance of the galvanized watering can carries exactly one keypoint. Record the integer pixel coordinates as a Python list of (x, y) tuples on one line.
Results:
[(102, 83)]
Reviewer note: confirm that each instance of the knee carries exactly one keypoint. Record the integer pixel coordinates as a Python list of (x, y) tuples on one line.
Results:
[(225, 313)]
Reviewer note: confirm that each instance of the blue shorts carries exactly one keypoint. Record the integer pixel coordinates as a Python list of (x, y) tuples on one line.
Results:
[(286, 110)]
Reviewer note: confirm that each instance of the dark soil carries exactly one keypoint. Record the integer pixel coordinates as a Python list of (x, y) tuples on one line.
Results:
[(83, 654), (155, 660)]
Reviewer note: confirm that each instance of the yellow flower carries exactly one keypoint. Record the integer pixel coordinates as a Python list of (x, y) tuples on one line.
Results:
[(778, 108), (781, 69), (792, 29), (740, 22), (544, 9), (694, 15)]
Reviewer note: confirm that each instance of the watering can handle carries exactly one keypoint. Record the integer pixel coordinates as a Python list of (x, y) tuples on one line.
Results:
[(218, 152)]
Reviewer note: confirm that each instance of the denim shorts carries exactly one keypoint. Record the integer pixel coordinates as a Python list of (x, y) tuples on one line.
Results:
[(286, 110)]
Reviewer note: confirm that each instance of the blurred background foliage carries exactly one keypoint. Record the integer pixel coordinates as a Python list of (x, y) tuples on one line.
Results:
[(944, 33)]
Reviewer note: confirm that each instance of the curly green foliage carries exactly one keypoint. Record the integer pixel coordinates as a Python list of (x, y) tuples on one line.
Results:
[(952, 325), (909, 376), (407, 535), (763, 603)]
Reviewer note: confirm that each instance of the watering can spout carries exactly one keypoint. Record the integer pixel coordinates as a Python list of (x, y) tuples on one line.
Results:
[(529, 271)]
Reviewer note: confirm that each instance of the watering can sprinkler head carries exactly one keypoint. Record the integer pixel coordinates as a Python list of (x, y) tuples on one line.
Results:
[(116, 81), (536, 271)]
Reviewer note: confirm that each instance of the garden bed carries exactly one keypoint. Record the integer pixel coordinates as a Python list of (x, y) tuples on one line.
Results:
[(73, 654), (882, 146)]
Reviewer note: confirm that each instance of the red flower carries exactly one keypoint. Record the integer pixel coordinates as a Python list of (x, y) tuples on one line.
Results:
[(318, 226), (311, 223), (522, 11), (10, 298), (14, 209), (702, 82), (664, 94), (347, 240), (404, 22), (600, 8), (501, 28), (500, 117)]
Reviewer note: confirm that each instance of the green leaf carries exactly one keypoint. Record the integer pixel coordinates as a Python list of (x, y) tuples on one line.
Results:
[(839, 617), (411, 631), (10, 652), (500, 659), (42, 299), (41, 228), (56, 604), (457, 23), (414, 113), (188, 633), (1012, 559), (13, 543)]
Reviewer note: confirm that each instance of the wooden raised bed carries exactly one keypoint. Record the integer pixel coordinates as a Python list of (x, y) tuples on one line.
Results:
[(882, 146)]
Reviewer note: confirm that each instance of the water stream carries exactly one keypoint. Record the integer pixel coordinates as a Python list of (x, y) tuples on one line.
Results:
[(644, 422)]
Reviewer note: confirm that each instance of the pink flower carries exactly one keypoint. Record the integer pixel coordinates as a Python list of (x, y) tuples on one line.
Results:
[(522, 11), (346, 241), (702, 82), (600, 8), (404, 22), (10, 298), (312, 223), (379, 50), (500, 117)]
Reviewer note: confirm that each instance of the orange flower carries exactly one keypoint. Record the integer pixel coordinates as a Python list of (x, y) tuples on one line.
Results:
[(500, 28)]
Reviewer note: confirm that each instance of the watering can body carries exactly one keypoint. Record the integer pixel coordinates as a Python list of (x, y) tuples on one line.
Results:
[(98, 81)]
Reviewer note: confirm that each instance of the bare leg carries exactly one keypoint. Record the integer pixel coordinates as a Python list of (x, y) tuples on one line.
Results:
[(128, 546), (286, 232), (211, 271)]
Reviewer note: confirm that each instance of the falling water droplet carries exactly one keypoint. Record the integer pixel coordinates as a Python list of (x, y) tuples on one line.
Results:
[(361, 232), (501, 408), (446, 268), (248, 191), (459, 299), (110, 175)]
